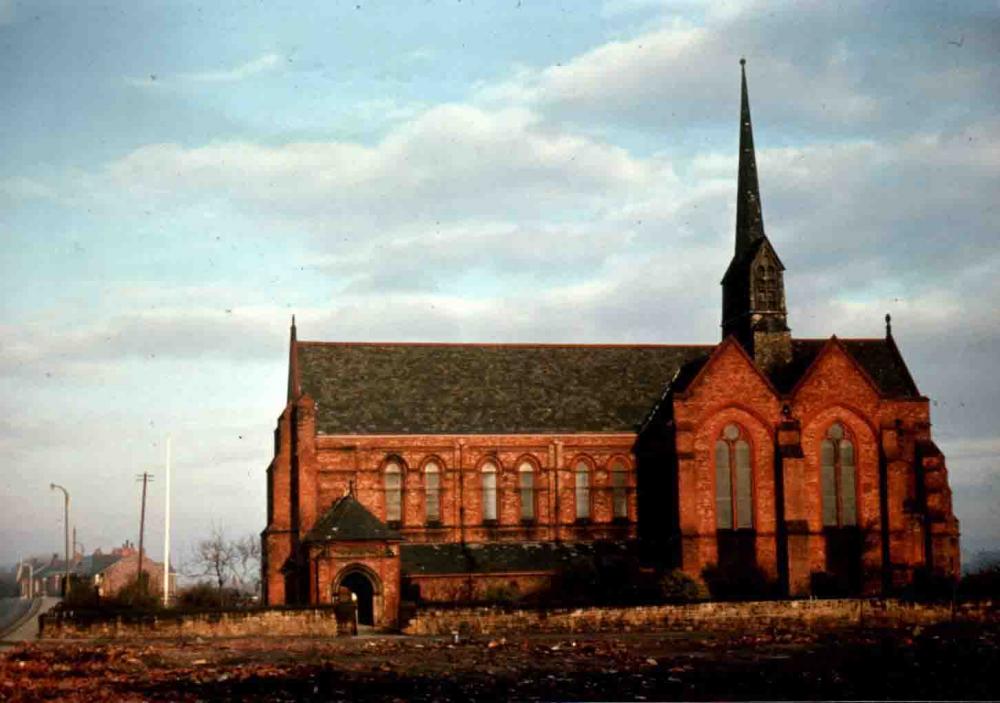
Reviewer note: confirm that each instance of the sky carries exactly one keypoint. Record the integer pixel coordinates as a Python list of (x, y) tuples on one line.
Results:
[(179, 178)]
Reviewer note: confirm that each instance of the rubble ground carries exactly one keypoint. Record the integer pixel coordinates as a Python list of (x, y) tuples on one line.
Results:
[(949, 661)]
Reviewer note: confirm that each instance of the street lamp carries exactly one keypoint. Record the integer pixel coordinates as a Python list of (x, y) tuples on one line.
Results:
[(54, 486)]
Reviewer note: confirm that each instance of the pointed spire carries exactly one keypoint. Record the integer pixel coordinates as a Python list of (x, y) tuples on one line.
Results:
[(749, 219), (293, 364)]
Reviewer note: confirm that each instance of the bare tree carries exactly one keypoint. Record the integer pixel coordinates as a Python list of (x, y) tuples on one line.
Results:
[(246, 564), (214, 557)]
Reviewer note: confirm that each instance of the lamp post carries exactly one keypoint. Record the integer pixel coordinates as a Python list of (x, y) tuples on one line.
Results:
[(54, 486)]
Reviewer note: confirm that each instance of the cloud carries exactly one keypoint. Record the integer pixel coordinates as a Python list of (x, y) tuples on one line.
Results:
[(19, 188), (815, 65), (262, 64), (7, 14)]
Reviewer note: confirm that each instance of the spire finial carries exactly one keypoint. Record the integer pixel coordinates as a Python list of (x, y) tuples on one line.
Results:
[(743, 61), (888, 325), (749, 218)]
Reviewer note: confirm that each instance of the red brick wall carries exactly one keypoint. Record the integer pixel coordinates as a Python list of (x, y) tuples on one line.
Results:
[(453, 588)]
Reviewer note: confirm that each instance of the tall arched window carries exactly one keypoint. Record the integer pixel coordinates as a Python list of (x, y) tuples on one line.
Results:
[(488, 480), (526, 487), (733, 489), (581, 483), (619, 490), (432, 492), (840, 505), (393, 492)]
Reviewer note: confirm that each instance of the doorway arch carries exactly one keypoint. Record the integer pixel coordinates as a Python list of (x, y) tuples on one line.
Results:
[(365, 585)]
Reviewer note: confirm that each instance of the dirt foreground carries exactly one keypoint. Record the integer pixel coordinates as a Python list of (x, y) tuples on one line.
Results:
[(955, 661)]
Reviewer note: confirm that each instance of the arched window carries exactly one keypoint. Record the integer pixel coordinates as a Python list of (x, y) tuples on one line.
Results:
[(526, 487), (837, 477), (488, 480), (581, 483), (432, 492), (619, 490), (733, 489), (393, 492), (767, 282)]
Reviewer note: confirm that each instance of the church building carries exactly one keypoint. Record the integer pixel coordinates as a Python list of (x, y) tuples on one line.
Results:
[(474, 472)]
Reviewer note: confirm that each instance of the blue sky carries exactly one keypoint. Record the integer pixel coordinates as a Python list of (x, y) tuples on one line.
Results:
[(178, 178)]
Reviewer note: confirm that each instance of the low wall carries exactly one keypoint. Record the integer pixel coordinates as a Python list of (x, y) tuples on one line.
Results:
[(696, 616), (322, 622), (309, 622)]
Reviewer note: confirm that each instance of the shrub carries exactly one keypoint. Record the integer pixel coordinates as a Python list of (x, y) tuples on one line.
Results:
[(135, 595), (502, 593), (747, 583), (678, 587), (983, 584)]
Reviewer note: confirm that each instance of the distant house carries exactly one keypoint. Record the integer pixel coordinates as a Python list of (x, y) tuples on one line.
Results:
[(106, 573)]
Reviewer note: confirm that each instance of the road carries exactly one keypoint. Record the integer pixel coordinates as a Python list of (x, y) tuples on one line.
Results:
[(19, 618)]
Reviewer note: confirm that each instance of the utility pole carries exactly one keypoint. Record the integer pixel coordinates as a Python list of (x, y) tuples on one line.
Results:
[(53, 486), (166, 534), (146, 477)]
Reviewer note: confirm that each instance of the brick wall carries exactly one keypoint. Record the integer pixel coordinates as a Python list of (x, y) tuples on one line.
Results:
[(454, 588)]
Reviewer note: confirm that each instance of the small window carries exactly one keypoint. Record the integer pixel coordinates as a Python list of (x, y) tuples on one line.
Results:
[(432, 492), (838, 477), (393, 492), (526, 487), (581, 482), (733, 481), (619, 490), (488, 479)]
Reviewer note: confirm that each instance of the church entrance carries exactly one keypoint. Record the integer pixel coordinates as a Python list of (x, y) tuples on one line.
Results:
[(360, 585)]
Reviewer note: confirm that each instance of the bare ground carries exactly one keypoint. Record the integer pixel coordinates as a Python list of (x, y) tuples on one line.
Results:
[(953, 661)]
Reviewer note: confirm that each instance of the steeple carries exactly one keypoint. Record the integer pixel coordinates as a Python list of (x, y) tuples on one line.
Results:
[(753, 289), (749, 218), (293, 364)]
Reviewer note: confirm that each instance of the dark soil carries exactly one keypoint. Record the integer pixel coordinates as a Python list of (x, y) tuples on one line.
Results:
[(955, 661)]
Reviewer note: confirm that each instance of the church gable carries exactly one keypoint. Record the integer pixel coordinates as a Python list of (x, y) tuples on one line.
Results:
[(835, 376), (729, 375)]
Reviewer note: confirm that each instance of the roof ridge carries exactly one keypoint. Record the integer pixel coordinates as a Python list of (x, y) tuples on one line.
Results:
[(559, 345)]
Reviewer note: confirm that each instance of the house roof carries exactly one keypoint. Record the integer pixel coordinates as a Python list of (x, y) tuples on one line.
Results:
[(89, 565), (486, 388), (500, 557), (349, 520)]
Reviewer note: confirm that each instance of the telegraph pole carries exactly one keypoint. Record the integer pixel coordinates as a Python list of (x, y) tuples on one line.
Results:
[(146, 477)]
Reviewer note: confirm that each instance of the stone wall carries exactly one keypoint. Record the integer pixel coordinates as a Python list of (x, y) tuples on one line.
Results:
[(698, 616), (322, 622), (307, 622)]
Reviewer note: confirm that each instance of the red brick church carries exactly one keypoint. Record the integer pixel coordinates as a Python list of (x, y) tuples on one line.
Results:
[(472, 472)]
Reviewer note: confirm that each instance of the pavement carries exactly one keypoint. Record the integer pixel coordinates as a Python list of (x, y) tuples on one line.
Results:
[(19, 618)]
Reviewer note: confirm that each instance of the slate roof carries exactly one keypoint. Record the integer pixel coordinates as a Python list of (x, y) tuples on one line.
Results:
[(500, 557), (348, 520), (486, 388), (90, 565), (879, 358), (398, 388)]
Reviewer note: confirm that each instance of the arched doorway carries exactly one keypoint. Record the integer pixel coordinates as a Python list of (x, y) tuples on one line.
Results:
[(361, 586)]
